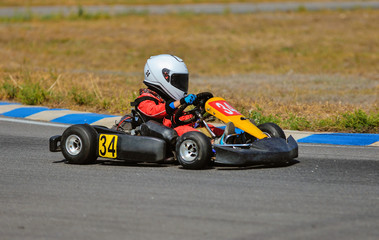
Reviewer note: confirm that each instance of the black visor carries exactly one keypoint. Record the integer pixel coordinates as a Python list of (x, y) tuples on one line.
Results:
[(180, 81)]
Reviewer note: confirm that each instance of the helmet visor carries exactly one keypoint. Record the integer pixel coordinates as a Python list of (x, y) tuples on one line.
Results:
[(180, 81)]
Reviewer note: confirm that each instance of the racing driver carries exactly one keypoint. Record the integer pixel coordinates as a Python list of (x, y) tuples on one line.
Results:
[(166, 78)]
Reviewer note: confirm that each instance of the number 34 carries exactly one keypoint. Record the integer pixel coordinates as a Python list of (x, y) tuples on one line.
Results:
[(108, 146)]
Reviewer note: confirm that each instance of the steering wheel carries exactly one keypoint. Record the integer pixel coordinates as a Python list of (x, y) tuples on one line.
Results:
[(199, 104)]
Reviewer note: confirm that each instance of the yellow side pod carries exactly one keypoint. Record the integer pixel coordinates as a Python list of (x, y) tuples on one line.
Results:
[(222, 110)]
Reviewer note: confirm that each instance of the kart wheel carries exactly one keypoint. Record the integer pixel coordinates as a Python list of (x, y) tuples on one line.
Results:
[(193, 150), (79, 144), (272, 130)]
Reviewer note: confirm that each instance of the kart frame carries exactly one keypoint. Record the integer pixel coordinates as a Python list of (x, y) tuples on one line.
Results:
[(83, 143)]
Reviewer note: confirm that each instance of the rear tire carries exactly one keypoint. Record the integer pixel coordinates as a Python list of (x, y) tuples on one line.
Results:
[(194, 150), (272, 130), (79, 144)]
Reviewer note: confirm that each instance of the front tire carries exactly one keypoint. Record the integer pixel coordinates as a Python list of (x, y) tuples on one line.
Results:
[(272, 130), (79, 144), (193, 150)]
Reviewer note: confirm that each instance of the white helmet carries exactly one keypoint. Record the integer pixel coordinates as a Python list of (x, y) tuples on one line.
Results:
[(168, 74)]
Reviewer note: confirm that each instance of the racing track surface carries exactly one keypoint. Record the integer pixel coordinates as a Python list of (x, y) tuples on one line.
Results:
[(330, 193)]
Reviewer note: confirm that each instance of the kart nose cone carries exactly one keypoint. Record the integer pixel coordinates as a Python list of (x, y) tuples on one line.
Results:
[(267, 150)]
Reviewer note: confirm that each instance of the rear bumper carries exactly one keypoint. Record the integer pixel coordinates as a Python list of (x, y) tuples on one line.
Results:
[(55, 143), (267, 150)]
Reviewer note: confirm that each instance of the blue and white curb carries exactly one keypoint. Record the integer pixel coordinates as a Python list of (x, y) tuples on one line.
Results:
[(350, 139), (65, 116), (58, 115)]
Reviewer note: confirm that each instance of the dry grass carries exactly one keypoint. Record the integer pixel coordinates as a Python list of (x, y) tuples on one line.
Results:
[(313, 65), (304, 96), (130, 2), (98, 93), (322, 42)]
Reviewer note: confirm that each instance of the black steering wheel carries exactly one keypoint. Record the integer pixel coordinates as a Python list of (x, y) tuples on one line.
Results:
[(199, 104)]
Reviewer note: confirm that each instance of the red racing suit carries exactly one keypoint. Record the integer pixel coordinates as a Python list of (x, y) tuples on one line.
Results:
[(153, 107)]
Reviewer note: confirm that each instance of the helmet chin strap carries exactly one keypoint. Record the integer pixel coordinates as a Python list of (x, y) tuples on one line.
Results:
[(161, 93)]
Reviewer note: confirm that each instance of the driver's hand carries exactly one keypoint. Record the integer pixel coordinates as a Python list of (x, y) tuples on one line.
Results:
[(188, 99)]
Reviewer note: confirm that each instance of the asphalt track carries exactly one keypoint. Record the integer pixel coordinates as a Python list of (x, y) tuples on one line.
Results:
[(330, 192), (211, 8)]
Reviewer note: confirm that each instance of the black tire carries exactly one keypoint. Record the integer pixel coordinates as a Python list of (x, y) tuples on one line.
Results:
[(194, 150), (272, 130), (79, 144)]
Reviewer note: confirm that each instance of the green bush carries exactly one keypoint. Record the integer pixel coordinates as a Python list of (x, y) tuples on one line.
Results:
[(359, 121), (82, 98), (258, 117), (10, 90), (32, 94), (295, 122)]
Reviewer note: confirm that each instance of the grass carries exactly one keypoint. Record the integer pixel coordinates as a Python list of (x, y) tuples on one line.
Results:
[(113, 94), (357, 121), (84, 92), (128, 2), (322, 42), (303, 70)]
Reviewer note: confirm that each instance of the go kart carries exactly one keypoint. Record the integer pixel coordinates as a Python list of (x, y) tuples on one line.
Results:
[(132, 139)]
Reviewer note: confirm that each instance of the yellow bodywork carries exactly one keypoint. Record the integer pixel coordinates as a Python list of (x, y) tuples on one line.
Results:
[(219, 108)]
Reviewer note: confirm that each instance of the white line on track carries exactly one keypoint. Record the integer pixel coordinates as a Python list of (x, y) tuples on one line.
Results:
[(33, 122)]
